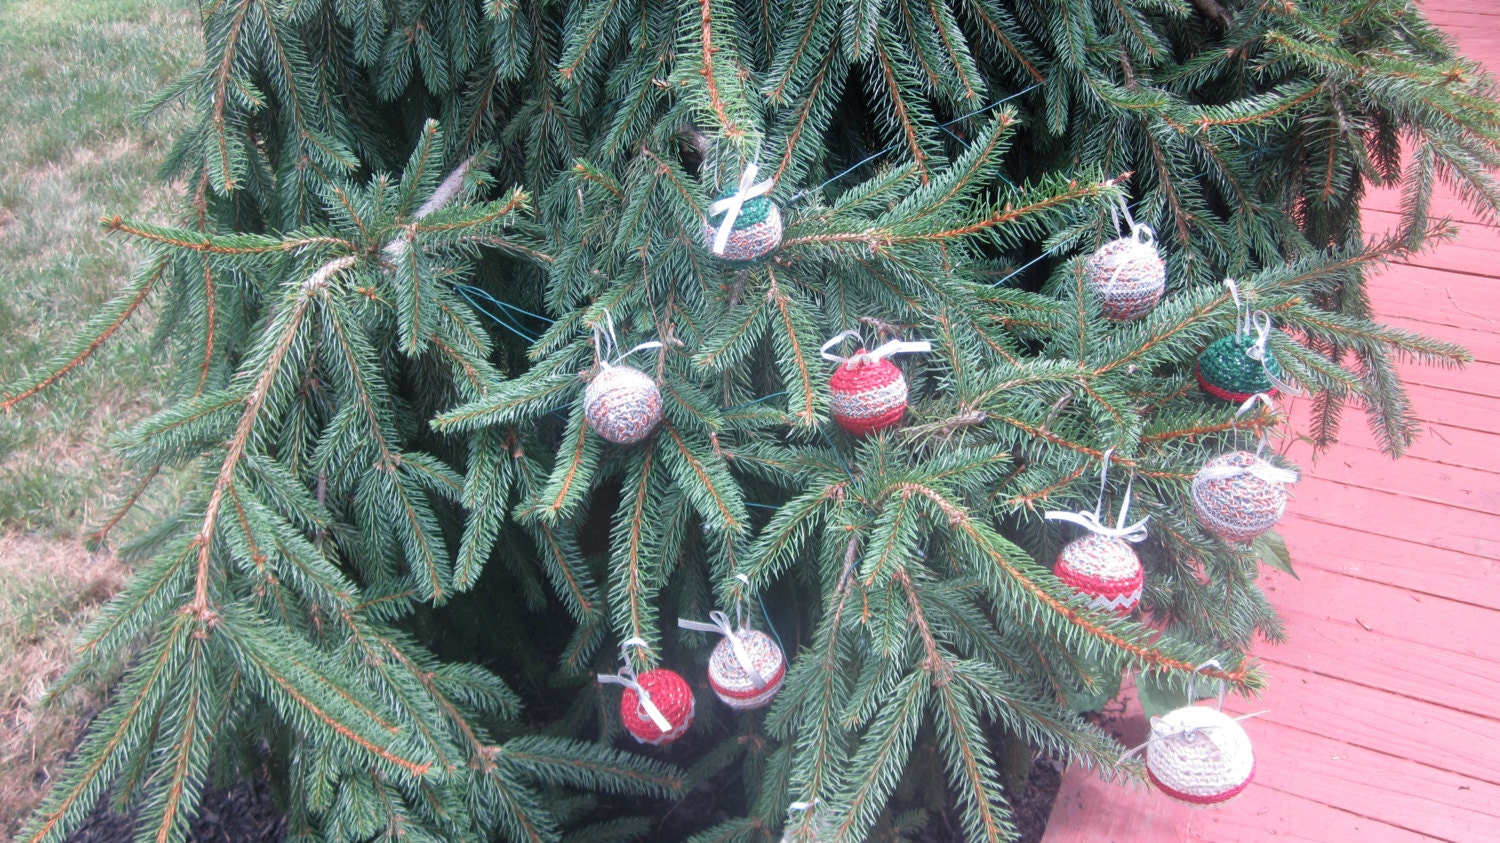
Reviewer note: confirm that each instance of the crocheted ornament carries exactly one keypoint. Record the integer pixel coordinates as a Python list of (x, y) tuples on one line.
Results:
[(1128, 275), (868, 395), (1242, 506), (1104, 569), (1226, 370), (622, 404), (671, 696), (738, 688), (757, 229), (1199, 755)]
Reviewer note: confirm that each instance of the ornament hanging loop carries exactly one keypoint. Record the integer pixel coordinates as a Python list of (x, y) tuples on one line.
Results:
[(1241, 311), (1265, 437), (888, 349), (1140, 232), (627, 677), (1094, 521), (1260, 351), (720, 624), (1193, 682), (607, 347)]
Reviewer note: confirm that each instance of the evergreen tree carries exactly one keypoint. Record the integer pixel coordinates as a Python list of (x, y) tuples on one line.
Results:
[(419, 228)]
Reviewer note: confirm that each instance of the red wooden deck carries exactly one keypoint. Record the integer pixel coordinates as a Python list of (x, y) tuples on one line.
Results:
[(1384, 705)]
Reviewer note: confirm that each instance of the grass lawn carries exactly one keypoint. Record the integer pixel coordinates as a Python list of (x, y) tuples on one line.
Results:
[(72, 70)]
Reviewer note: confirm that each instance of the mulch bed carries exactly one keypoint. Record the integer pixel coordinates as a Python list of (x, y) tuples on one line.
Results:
[(244, 813)]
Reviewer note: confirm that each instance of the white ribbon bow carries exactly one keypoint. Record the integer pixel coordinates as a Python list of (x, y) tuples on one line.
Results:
[(886, 350), (1191, 732), (1261, 351), (1094, 521), (627, 677), (721, 625), (605, 344), (730, 206)]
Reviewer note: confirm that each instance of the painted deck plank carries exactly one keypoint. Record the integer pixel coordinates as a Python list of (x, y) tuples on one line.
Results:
[(1386, 665), (1388, 610), (1418, 569), (1457, 486), (1386, 724), (1399, 517), (1384, 720)]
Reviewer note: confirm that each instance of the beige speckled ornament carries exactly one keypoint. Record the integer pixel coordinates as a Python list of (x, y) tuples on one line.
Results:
[(1199, 755)]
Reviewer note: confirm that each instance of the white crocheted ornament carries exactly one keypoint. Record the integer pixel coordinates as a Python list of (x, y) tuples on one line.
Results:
[(1128, 275), (739, 688), (1243, 505), (1199, 755)]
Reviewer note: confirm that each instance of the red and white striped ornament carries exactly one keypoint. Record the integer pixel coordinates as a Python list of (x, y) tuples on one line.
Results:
[(657, 706), (868, 392), (1239, 495), (1104, 569), (1199, 755), (746, 668), (1102, 566)]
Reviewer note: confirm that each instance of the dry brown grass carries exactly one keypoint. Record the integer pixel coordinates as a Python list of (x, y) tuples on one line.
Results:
[(48, 591)]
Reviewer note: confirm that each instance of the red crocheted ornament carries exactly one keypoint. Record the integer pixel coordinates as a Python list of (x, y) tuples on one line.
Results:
[(868, 395), (1103, 569), (672, 697)]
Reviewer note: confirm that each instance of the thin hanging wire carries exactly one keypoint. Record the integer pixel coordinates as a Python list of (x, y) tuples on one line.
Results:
[(959, 119)]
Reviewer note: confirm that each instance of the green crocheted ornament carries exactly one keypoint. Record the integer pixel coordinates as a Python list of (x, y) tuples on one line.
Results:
[(1226, 370), (752, 212)]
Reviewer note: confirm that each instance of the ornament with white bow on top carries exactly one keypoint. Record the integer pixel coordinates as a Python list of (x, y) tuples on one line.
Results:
[(1241, 365), (1240, 495), (1199, 755), (1102, 566), (868, 391), (746, 668), (743, 223), (1127, 274), (621, 403), (657, 706)]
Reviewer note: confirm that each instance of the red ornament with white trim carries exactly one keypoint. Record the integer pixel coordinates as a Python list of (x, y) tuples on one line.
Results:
[(1103, 569), (1199, 755), (1239, 495), (868, 392), (657, 706), (746, 668), (1102, 566)]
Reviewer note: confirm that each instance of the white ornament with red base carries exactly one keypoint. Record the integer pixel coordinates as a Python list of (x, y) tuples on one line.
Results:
[(1199, 755), (746, 668), (1102, 566)]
